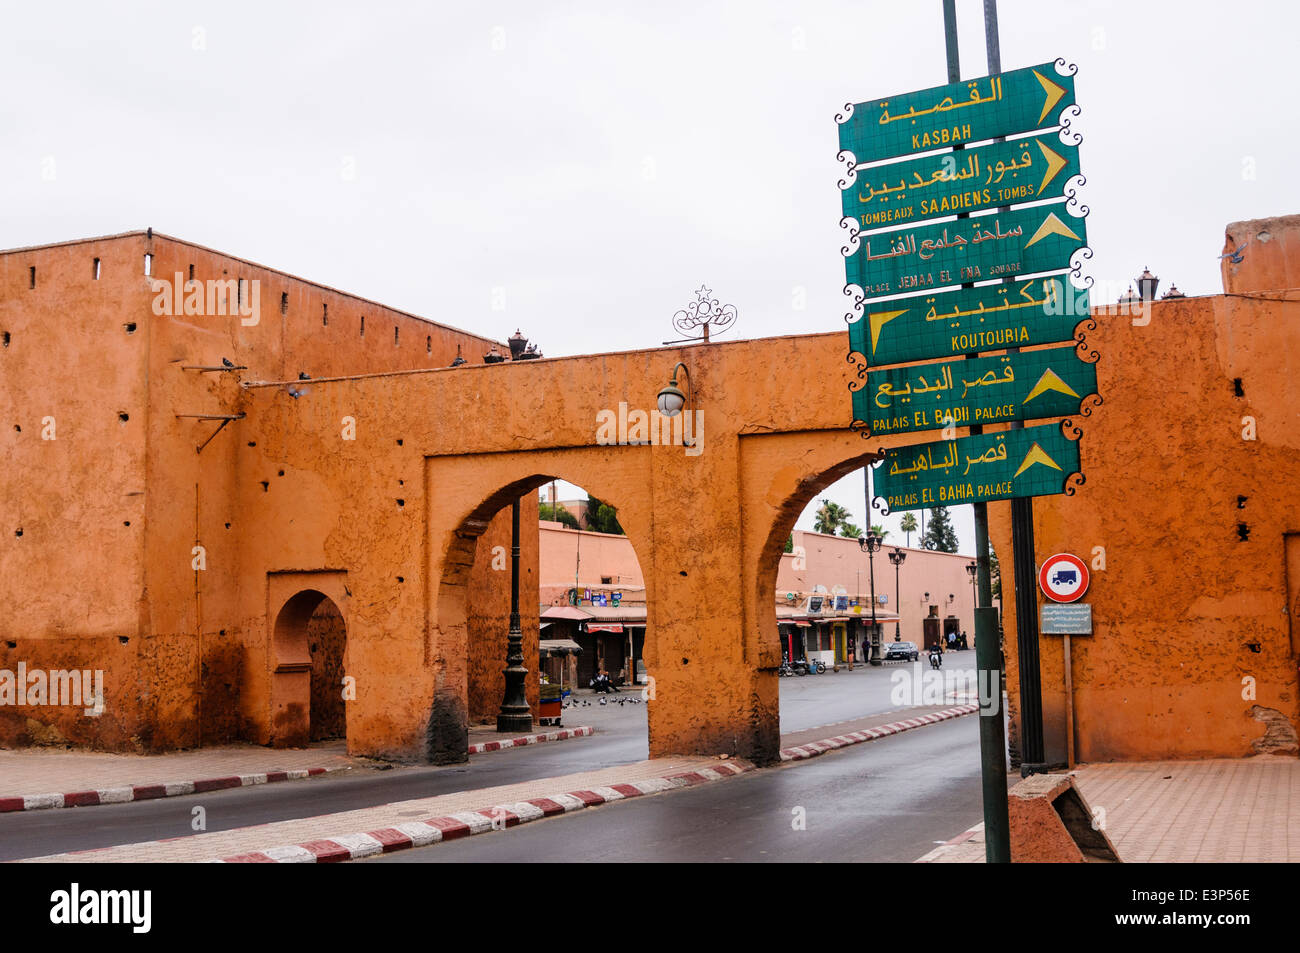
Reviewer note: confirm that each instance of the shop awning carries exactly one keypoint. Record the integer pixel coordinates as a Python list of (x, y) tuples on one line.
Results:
[(604, 627), (558, 647), (804, 625)]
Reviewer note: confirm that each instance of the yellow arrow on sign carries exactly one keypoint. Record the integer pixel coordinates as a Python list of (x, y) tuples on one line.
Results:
[(1049, 381), (1055, 164), (1051, 226), (1053, 91), (878, 320), (1035, 455)]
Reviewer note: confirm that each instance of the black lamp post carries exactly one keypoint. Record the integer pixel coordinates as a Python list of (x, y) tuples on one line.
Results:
[(973, 568), (897, 557), (870, 544), (515, 715)]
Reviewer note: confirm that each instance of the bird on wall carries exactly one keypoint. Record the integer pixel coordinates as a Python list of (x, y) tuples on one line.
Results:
[(1235, 255)]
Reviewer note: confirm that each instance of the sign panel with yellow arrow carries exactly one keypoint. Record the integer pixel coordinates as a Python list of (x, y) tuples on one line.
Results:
[(1009, 104), (1035, 461), (1023, 386), (1006, 244), (945, 184)]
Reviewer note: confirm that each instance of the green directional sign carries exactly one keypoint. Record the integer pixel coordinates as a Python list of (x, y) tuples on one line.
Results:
[(986, 390), (969, 320), (1009, 104), (1035, 461), (1018, 170), (994, 245)]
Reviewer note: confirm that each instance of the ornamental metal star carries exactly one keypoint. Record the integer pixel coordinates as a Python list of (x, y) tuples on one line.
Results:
[(704, 314)]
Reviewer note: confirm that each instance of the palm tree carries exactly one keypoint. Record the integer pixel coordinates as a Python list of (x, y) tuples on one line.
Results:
[(850, 531), (908, 526), (880, 530), (829, 517)]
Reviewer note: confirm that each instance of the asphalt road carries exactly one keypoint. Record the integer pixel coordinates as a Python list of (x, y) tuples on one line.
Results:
[(620, 739), (889, 800)]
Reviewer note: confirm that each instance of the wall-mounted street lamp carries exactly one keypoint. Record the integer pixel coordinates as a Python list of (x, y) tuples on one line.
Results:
[(459, 358), (493, 356), (897, 557), (870, 544), (517, 343), (672, 401)]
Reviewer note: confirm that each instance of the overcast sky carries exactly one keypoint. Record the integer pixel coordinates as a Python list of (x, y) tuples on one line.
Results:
[(578, 169)]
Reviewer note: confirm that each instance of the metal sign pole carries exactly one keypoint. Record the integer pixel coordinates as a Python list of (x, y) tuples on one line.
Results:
[(988, 659)]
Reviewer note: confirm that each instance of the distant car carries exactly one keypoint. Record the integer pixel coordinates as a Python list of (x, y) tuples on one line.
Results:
[(902, 650)]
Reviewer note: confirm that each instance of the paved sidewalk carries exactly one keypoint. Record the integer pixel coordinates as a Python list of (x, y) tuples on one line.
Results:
[(36, 778), (1217, 811), (286, 839)]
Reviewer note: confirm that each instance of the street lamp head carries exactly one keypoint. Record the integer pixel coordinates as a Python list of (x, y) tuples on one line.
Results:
[(972, 568), (870, 543), (897, 557), (671, 399), (1147, 284)]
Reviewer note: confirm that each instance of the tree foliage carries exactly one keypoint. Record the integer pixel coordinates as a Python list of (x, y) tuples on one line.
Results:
[(939, 534), (602, 517), (557, 512), (830, 516), (908, 526)]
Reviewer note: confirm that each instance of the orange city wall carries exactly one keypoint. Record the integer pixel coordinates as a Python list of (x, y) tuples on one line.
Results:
[(1184, 610), (1191, 498), (105, 496)]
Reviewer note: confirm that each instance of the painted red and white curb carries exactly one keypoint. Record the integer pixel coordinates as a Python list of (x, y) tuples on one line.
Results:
[(463, 824), (946, 847), (150, 792), (534, 739), (814, 748)]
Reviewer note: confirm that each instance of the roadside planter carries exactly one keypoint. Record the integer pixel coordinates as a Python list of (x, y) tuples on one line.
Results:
[(551, 700)]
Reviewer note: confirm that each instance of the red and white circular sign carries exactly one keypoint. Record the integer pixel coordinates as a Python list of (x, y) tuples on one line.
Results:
[(1063, 577)]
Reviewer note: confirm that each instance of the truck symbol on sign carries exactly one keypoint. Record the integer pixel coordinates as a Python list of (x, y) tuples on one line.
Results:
[(1065, 577)]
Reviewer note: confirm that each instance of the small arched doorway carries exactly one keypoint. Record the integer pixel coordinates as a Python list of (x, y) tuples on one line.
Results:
[(309, 664)]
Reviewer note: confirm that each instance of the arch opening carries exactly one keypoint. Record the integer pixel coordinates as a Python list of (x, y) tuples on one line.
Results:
[(817, 591), (309, 664), (583, 610)]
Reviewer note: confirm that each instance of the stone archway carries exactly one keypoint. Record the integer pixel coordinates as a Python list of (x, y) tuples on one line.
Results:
[(308, 652), (461, 562)]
